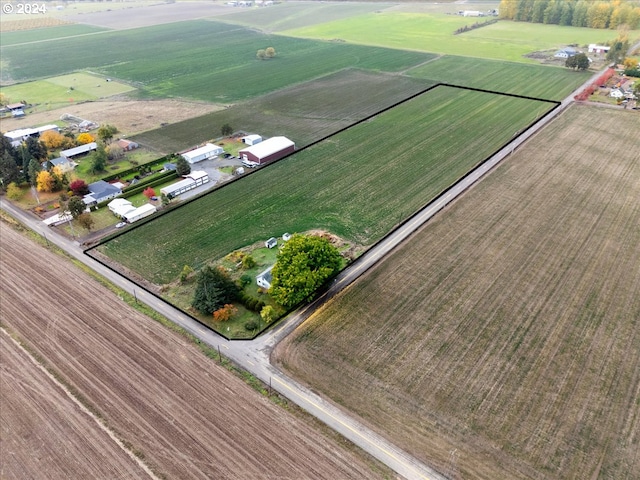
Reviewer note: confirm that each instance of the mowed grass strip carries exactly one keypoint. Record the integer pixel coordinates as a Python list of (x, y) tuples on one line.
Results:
[(202, 60), (306, 112), (64, 90), (507, 329), (358, 184), (538, 81), (433, 32)]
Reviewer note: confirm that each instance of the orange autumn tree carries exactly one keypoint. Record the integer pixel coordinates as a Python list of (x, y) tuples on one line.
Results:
[(85, 138), (225, 313)]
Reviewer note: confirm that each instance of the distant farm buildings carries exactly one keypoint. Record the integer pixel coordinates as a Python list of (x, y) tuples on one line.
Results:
[(267, 151), (127, 145), (205, 152), (566, 53), (593, 48)]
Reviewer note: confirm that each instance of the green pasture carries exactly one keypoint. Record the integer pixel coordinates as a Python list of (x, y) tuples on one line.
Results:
[(304, 113), (63, 90), (504, 40), (359, 183), (202, 60), (553, 83), (43, 34)]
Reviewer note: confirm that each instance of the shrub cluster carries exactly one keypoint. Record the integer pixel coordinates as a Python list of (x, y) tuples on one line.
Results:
[(468, 28), (252, 303)]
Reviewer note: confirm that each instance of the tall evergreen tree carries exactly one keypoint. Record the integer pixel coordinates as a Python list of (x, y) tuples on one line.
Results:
[(9, 171)]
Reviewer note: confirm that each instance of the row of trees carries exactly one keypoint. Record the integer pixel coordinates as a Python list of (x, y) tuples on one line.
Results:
[(577, 13)]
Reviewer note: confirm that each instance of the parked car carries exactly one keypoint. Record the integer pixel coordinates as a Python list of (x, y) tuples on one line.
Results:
[(121, 224)]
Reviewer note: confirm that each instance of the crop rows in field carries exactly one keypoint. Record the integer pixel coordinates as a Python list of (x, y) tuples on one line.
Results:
[(538, 81), (201, 60), (507, 329), (304, 113), (358, 184), (42, 34)]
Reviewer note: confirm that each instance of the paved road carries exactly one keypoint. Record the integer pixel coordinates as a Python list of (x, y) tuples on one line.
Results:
[(254, 355)]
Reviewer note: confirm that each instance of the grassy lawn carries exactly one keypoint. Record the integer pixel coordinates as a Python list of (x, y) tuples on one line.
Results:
[(211, 58), (357, 184), (507, 328), (504, 40), (64, 90), (553, 83), (131, 159)]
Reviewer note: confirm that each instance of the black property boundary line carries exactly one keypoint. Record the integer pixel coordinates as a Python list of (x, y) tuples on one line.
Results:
[(398, 226)]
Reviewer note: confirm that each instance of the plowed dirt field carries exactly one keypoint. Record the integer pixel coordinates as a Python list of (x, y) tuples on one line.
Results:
[(186, 416), (43, 430)]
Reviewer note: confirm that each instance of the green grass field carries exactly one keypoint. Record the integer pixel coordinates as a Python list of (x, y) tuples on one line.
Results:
[(553, 83), (201, 60), (357, 184), (504, 40), (63, 90), (304, 113), (43, 34)]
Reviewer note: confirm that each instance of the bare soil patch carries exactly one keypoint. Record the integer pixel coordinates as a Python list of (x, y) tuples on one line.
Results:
[(183, 413), (130, 116), (43, 430), (502, 340)]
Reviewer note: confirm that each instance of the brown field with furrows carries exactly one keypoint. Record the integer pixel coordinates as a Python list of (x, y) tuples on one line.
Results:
[(129, 116), (185, 415), (43, 430), (502, 341)]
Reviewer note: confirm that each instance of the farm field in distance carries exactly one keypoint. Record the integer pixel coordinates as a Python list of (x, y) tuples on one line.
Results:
[(433, 32), (201, 60), (506, 330), (357, 184), (538, 81), (305, 113), (42, 427), (42, 34), (183, 414)]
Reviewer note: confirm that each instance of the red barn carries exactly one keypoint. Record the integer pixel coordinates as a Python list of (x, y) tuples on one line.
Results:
[(267, 151)]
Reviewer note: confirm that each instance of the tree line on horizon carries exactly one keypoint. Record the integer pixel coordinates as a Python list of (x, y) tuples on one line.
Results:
[(576, 13)]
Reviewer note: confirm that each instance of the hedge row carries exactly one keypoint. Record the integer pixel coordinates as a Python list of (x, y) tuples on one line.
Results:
[(137, 188), (151, 179)]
